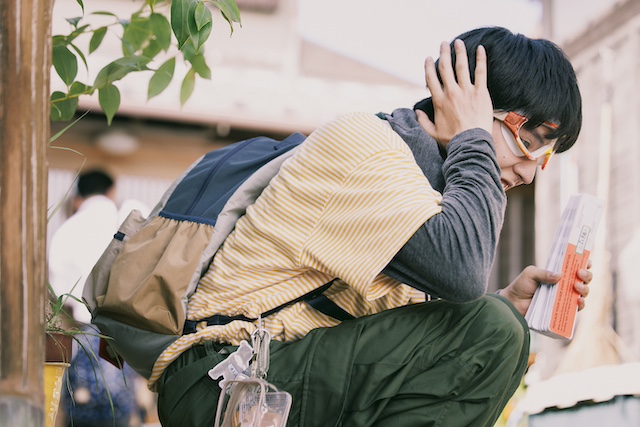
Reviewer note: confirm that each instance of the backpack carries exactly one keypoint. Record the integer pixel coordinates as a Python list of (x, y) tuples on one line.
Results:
[(139, 289)]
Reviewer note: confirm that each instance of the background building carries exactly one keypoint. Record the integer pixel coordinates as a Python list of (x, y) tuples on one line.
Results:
[(605, 54), (601, 364)]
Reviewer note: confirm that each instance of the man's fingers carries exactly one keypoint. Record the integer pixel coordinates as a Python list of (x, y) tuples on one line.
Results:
[(431, 78), (582, 289), (480, 75), (462, 63), (445, 67), (581, 303), (425, 122), (585, 275), (541, 275)]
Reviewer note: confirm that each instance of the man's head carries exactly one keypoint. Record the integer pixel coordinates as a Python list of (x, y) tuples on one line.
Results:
[(92, 183), (531, 77)]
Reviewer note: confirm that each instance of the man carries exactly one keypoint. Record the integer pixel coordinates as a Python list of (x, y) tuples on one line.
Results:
[(80, 240), (101, 393), (391, 209)]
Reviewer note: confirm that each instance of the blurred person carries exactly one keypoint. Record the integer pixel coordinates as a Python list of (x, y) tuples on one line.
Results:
[(95, 386), (398, 208), (80, 240), (75, 247)]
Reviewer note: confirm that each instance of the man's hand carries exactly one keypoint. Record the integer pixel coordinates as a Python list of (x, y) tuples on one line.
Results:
[(521, 290), (458, 104)]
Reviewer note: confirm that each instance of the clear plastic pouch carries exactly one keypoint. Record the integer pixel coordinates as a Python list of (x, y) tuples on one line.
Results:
[(247, 399), (252, 402)]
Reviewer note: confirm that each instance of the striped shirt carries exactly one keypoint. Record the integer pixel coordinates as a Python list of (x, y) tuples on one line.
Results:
[(341, 207)]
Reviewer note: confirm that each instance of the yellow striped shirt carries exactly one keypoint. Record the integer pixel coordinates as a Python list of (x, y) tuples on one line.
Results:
[(341, 207)]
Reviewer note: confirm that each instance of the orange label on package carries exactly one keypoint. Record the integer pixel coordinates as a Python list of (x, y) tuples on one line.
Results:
[(565, 307)]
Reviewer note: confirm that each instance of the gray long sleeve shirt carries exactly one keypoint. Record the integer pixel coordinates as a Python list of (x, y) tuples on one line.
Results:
[(451, 255)]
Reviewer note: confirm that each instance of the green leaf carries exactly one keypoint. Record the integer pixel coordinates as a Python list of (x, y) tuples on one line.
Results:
[(127, 48), (200, 66), (80, 54), (160, 38), (161, 78), (109, 98), (81, 5), (180, 20), (152, 49), (74, 21), (160, 27), (198, 37), (188, 51), (96, 39), (57, 95), (78, 88), (62, 107), (77, 32), (135, 35), (229, 10), (67, 109), (55, 112), (58, 135), (202, 16), (58, 41), (65, 63), (105, 14), (137, 63), (188, 84), (118, 69)]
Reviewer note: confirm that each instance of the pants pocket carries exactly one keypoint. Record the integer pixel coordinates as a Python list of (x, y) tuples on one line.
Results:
[(187, 395)]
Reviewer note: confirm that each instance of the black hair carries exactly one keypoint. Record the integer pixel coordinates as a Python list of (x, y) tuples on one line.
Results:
[(94, 182), (530, 76)]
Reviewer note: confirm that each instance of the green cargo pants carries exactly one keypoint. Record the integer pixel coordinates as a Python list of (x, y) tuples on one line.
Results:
[(432, 364)]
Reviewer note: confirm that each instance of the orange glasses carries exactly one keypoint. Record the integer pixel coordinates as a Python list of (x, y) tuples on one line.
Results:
[(525, 144)]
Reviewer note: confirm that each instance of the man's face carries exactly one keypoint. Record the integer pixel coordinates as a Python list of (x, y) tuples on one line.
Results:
[(516, 167)]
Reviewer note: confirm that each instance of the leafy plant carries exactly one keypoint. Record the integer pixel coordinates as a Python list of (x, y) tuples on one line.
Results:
[(59, 327), (145, 36), (59, 322)]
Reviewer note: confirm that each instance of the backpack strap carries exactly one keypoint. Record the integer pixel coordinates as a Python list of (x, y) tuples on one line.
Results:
[(315, 299), (326, 306)]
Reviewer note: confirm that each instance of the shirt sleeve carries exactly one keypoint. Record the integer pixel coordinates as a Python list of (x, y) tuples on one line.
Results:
[(450, 256)]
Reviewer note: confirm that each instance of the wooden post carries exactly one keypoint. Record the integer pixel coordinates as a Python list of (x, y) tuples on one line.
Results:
[(25, 62)]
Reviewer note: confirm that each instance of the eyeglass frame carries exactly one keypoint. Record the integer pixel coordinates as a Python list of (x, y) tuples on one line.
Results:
[(514, 123)]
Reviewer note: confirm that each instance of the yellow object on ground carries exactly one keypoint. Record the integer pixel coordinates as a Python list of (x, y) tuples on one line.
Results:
[(53, 375)]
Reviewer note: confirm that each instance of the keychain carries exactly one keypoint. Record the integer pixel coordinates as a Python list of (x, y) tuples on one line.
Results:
[(260, 339), (247, 399)]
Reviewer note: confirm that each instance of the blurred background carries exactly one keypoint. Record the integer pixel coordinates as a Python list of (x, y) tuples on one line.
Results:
[(295, 64)]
